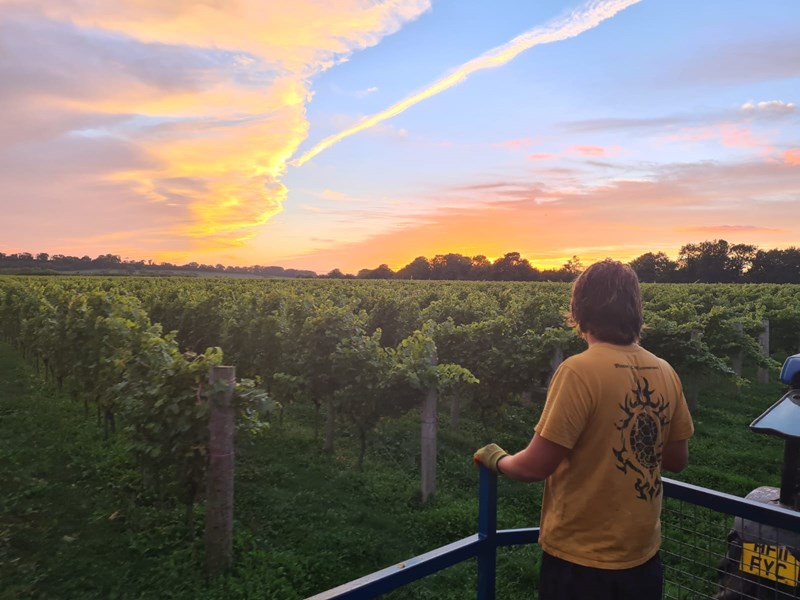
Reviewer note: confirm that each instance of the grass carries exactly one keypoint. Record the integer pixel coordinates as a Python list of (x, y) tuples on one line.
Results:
[(75, 521)]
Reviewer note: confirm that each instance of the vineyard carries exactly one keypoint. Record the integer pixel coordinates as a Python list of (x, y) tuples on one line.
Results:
[(347, 368)]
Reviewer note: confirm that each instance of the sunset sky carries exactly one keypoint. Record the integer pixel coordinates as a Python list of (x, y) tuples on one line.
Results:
[(323, 134)]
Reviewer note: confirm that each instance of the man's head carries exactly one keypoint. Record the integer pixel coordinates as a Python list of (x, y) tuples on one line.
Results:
[(607, 302)]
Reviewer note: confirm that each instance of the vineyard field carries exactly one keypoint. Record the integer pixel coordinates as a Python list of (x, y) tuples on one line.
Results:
[(333, 378)]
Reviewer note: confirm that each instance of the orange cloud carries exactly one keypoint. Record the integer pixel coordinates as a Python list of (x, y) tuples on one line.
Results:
[(622, 219), (218, 132), (731, 229), (792, 157)]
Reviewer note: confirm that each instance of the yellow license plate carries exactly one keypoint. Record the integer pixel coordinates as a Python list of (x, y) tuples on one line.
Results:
[(770, 562)]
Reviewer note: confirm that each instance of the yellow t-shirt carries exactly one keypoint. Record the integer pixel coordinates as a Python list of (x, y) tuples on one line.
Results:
[(615, 407)]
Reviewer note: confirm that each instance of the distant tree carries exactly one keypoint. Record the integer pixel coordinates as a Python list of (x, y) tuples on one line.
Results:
[(135, 264), (419, 268), (512, 267), (43, 257), (652, 267), (382, 272), (451, 267), (107, 261), (740, 259), (481, 268), (335, 274), (573, 267), (775, 266), (714, 261)]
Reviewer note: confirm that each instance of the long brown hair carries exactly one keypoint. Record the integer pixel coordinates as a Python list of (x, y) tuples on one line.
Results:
[(606, 301)]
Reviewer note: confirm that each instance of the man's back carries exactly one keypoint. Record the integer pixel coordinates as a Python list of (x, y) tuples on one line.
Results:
[(615, 407), (614, 416)]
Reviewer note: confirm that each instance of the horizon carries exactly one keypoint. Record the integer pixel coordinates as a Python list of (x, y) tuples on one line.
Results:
[(691, 247), (317, 138)]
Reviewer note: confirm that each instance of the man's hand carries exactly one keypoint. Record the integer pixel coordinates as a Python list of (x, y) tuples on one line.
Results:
[(488, 456)]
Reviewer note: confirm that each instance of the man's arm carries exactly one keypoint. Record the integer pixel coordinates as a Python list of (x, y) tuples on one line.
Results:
[(675, 456), (534, 463)]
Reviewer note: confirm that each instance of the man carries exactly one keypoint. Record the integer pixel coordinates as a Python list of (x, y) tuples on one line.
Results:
[(615, 415)]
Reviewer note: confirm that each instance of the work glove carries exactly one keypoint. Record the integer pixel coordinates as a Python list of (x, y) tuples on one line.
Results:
[(488, 456)]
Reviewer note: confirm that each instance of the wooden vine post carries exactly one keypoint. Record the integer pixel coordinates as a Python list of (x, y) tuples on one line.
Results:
[(691, 388), (428, 440), (763, 341), (219, 495), (738, 357), (555, 362)]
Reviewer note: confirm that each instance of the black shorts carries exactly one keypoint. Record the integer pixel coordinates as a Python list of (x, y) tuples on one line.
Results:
[(562, 580)]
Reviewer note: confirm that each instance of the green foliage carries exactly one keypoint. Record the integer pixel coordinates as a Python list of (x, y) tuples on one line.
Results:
[(367, 351), (75, 523), (101, 345)]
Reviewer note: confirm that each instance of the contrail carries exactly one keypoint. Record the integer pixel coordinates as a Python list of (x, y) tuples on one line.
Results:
[(588, 17)]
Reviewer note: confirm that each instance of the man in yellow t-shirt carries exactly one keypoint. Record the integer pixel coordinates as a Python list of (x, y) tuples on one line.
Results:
[(615, 415)]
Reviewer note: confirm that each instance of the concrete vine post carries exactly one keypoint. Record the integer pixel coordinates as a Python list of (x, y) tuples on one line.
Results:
[(219, 495)]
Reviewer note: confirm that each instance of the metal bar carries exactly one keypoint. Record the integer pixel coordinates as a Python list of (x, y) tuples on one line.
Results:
[(487, 503), (789, 482), (484, 544), (765, 514), (396, 576), (517, 537), (487, 531)]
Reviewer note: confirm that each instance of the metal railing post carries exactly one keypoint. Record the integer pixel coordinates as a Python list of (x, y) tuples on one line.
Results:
[(487, 532)]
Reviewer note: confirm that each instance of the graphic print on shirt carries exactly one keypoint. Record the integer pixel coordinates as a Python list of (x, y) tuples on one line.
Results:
[(641, 438)]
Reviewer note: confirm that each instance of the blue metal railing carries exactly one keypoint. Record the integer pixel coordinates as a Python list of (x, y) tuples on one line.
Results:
[(485, 543)]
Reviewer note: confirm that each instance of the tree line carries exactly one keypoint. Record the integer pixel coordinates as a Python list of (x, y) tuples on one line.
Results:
[(714, 261), (44, 262)]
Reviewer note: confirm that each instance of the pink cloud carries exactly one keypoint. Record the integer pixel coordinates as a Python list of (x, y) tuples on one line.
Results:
[(730, 135), (588, 150), (594, 150), (542, 156), (792, 157), (693, 135), (733, 136), (514, 144)]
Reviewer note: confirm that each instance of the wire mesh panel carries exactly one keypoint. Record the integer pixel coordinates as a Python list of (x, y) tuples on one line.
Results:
[(708, 554), (693, 548)]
